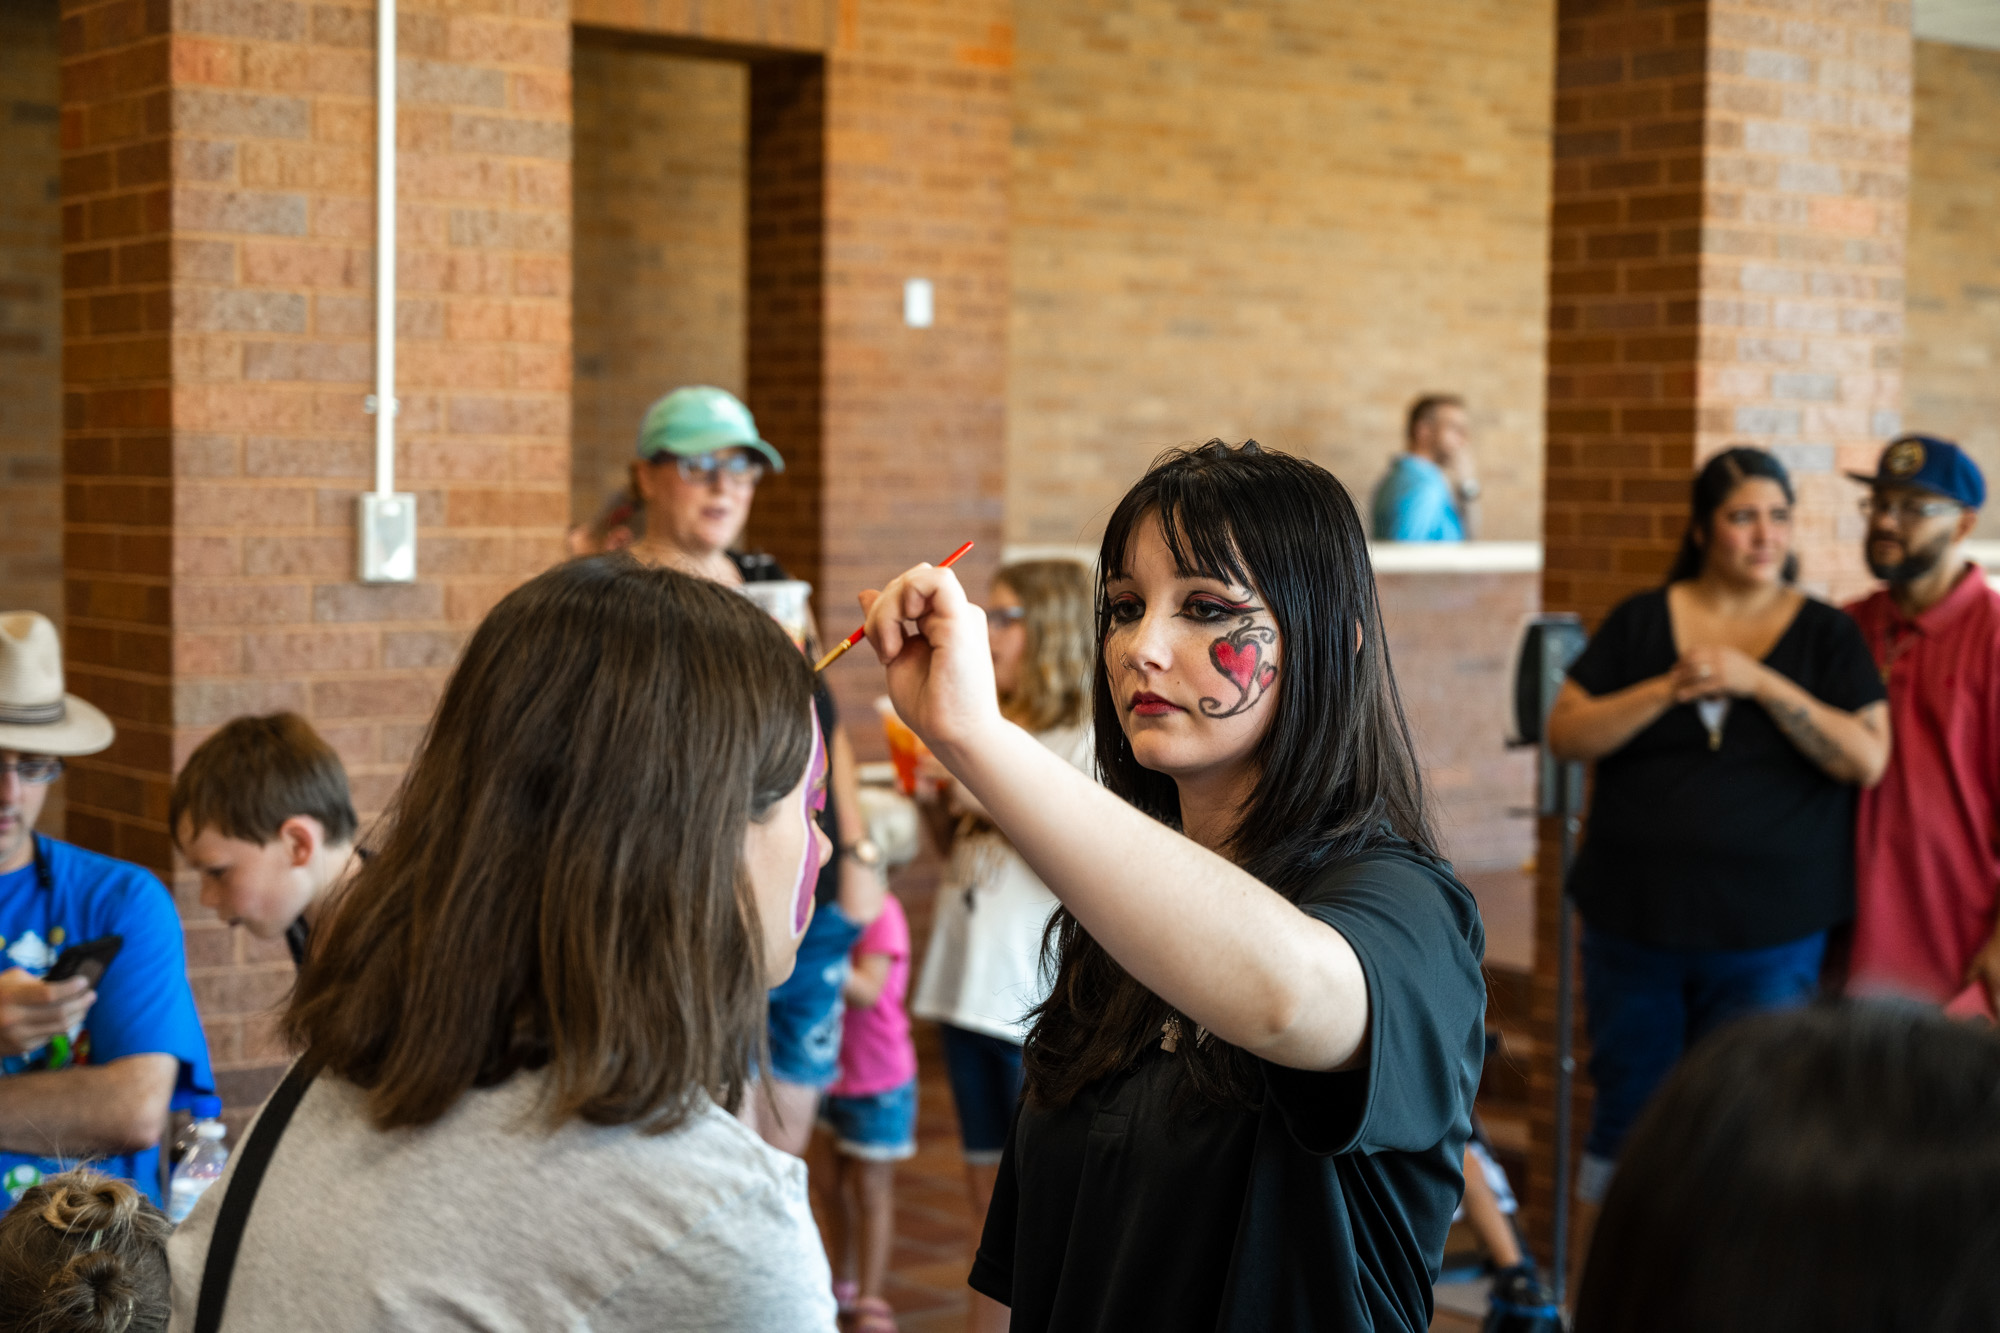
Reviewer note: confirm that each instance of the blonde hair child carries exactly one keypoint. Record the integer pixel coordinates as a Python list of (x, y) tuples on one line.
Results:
[(82, 1253)]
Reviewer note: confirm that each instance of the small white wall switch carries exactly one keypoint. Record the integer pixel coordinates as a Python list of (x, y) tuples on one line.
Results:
[(388, 538), (918, 310)]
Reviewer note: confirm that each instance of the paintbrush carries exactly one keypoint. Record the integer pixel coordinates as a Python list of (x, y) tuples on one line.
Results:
[(862, 632)]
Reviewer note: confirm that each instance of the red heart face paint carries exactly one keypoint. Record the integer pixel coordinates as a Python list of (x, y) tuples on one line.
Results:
[(814, 802), (1239, 656)]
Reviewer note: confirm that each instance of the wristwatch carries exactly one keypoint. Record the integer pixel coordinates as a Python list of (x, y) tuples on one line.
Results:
[(863, 852), (1468, 490)]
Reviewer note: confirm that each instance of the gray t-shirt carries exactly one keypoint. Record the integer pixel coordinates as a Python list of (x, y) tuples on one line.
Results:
[(485, 1220)]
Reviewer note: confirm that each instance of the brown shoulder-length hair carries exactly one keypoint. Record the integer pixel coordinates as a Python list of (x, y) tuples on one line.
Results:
[(1054, 688), (1337, 772), (559, 884)]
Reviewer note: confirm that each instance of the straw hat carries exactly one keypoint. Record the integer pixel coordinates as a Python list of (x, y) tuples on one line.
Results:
[(36, 717)]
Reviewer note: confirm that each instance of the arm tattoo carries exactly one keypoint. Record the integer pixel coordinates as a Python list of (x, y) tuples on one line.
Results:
[(1797, 724), (1239, 656)]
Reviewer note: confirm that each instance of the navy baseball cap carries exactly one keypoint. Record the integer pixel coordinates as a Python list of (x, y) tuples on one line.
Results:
[(1929, 464)]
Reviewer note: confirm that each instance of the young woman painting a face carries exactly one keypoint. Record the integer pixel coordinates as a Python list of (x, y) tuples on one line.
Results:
[(1248, 1095)]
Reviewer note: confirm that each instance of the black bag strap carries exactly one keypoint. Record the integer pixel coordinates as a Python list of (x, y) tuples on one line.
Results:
[(230, 1219)]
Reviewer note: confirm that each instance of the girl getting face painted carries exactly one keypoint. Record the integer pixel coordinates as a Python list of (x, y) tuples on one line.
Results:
[(783, 853), (1193, 664), (814, 849)]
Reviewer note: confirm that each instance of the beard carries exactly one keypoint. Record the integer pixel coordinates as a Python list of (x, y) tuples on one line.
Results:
[(1916, 561)]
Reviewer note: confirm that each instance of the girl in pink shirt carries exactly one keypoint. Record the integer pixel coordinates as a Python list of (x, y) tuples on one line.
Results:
[(872, 1114)]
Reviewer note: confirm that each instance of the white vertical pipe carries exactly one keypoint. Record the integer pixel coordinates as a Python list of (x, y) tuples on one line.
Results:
[(385, 248)]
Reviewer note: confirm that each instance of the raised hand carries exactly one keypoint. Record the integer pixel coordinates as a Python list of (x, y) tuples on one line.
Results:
[(932, 640)]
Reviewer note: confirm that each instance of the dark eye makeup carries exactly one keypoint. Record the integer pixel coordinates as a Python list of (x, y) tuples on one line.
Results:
[(1203, 608)]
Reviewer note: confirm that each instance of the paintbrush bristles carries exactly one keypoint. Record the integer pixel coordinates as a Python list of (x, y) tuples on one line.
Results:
[(839, 649)]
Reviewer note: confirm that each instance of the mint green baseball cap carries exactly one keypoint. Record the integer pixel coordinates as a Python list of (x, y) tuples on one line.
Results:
[(700, 419)]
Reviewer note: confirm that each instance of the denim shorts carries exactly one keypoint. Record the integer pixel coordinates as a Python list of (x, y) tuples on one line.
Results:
[(880, 1127), (805, 1013), (985, 1074)]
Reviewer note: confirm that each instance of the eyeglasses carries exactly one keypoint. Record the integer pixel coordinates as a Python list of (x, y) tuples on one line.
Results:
[(730, 465), (35, 770), (1000, 617), (1905, 511)]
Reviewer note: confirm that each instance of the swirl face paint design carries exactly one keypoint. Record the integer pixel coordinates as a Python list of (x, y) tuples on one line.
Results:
[(814, 802), (1239, 656)]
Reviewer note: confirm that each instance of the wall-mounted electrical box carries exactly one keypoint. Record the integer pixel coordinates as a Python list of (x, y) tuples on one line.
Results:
[(388, 537)]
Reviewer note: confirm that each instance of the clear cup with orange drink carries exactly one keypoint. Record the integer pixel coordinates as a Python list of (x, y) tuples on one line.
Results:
[(905, 749)]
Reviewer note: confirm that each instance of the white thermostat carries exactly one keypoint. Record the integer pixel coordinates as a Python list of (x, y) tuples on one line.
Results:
[(918, 310)]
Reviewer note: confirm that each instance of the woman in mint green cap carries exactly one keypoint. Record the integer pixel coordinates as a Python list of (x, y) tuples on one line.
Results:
[(700, 459)]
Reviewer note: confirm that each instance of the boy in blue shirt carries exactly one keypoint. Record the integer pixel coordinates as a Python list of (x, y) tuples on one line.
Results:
[(87, 1071), (1431, 493)]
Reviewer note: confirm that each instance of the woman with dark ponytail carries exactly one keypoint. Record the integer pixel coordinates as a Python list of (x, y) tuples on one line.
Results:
[(1248, 1094), (1732, 719), (82, 1253)]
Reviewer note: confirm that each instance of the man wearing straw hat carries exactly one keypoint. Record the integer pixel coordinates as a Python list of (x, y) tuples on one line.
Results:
[(89, 1065)]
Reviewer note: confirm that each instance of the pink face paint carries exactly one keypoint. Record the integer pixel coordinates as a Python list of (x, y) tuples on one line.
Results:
[(814, 802)]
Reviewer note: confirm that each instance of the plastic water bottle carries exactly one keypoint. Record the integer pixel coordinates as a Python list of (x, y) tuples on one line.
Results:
[(198, 1170)]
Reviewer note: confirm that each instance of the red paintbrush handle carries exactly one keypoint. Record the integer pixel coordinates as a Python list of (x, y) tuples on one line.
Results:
[(861, 631)]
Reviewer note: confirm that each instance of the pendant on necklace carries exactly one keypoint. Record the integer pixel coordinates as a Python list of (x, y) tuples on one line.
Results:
[(1712, 712), (1170, 1034)]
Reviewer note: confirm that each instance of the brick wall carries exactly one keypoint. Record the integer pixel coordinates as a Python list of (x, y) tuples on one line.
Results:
[(1624, 282), (1454, 637), (1952, 358), (117, 509), (785, 374), (1725, 267), (30, 312), (216, 431), (877, 152), (661, 157), (913, 445), (1283, 219), (1806, 191)]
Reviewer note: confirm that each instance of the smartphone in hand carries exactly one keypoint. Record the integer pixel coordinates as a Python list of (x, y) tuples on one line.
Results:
[(88, 959)]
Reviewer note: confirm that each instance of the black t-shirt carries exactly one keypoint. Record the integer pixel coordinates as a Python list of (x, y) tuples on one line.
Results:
[(1739, 847), (1325, 1209), (756, 567)]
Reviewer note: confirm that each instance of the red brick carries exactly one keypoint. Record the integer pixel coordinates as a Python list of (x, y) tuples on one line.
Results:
[(377, 696), (310, 651), (365, 602)]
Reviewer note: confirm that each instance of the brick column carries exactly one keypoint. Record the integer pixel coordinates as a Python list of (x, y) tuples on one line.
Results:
[(785, 316), (1725, 268), (219, 207), (117, 416), (30, 313), (879, 152), (919, 98)]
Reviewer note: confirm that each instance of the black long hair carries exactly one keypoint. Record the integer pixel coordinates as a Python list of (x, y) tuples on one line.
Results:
[(1836, 1167), (1718, 477), (1337, 772)]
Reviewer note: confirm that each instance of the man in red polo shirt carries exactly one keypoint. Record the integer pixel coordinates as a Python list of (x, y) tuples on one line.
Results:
[(1927, 863)]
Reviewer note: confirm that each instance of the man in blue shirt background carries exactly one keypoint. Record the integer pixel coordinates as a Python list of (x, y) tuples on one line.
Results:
[(1432, 491), (86, 1072)]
